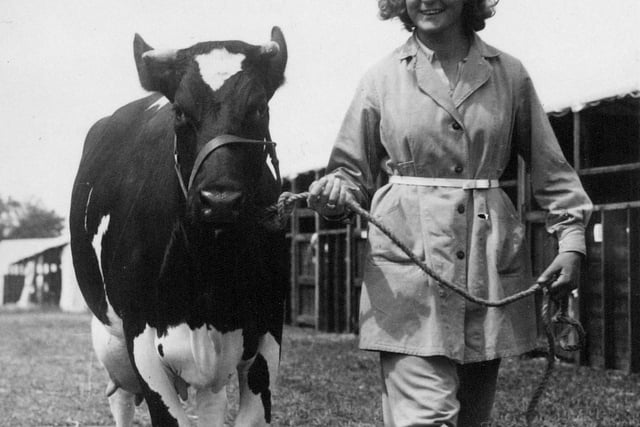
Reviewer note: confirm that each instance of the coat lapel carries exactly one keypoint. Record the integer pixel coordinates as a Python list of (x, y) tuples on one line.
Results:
[(430, 83), (476, 71)]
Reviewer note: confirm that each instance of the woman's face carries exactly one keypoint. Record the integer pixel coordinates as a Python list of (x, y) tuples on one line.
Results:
[(435, 17)]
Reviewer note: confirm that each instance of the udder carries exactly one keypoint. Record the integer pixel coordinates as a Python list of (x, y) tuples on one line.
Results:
[(203, 357)]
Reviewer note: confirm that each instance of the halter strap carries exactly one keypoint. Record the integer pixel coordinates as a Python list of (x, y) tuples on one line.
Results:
[(211, 146)]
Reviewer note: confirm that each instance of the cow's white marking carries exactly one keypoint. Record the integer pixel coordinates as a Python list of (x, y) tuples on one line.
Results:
[(252, 410), (103, 227), (218, 65), (156, 375), (116, 322), (86, 210), (160, 102)]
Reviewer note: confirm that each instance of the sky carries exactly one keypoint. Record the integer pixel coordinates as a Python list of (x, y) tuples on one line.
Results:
[(66, 63)]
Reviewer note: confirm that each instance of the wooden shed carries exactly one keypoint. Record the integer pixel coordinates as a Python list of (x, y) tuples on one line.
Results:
[(39, 273)]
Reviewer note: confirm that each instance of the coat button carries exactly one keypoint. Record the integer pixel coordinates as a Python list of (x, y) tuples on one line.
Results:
[(460, 254), (458, 169), (461, 209), (456, 126)]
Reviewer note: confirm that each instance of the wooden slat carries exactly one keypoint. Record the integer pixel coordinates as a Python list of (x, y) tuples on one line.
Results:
[(608, 296), (348, 277), (591, 314), (316, 311), (633, 227), (294, 304), (336, 279), (610, 169), (617, 206), (576, 141)]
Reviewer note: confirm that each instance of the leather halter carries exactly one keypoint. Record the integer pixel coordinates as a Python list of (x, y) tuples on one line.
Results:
[(214, 144)]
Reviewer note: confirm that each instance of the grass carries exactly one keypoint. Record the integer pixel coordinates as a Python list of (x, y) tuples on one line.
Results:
[(49, 377)]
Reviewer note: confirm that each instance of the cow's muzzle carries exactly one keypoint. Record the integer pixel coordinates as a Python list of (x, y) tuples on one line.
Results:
[(220, 207)]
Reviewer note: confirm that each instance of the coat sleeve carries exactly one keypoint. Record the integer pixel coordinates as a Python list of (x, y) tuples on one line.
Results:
[(555, 185), (357, 150)]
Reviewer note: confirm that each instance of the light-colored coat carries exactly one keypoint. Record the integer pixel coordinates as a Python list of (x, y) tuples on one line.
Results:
[(403, 121)]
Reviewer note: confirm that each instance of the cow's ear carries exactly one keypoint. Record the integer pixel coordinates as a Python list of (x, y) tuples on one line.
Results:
[(278, 62), (157, 70)]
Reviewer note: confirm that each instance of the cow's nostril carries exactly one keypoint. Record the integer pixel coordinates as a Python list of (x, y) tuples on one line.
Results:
[(207, 213), (216, 198), (208, 198)]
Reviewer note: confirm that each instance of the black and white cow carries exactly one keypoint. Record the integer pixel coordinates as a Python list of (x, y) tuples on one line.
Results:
[(185, 278)]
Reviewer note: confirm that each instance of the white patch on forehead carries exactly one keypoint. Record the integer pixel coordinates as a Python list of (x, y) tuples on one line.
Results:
[(160, 102), (218, 65)]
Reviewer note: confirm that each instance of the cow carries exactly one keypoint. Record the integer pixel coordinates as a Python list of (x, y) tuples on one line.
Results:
[(172, 245)]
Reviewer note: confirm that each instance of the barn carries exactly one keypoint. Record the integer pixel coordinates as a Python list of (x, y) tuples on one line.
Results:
[(38, 273), (601, 139)]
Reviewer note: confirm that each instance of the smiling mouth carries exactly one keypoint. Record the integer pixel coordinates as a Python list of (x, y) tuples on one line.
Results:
[(431, 12)]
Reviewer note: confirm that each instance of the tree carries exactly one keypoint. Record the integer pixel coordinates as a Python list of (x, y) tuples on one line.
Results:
[(21, 220)]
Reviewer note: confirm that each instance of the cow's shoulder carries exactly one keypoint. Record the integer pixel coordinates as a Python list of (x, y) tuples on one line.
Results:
[(118, 167)]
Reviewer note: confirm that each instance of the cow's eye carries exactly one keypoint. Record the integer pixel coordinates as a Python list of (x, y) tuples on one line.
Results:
[(258, 111), (181, 118)]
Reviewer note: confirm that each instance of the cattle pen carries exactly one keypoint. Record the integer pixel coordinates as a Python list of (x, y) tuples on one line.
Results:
[(601, 140)]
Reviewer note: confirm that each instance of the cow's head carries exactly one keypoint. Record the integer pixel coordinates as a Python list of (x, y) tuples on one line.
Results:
[(218, 88)]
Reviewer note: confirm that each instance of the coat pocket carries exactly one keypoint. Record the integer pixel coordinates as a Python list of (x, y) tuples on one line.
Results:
[(509, 239), (400, 214)]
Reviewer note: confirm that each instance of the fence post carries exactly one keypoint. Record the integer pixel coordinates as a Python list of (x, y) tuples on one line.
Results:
[(317, 266), (348, 237), (294, 258)]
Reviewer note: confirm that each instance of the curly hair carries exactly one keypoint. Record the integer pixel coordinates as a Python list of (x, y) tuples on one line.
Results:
[(474, 13)]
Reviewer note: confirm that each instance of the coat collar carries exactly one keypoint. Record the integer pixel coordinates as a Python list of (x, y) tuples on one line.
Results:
[(476, 72), (410, 48)]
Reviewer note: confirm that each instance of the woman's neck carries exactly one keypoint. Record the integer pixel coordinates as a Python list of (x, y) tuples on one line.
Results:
[(448, 46)]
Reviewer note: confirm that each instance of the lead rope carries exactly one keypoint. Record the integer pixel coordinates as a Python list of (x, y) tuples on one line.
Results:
[(284, 207)]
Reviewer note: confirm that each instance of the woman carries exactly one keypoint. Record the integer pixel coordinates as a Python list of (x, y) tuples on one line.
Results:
[(440, 116)]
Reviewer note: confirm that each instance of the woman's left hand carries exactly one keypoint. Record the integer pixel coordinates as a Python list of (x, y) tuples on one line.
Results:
[(562, 274)]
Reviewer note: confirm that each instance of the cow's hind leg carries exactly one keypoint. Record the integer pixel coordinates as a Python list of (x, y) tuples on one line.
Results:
[(111, 350), (122, 404), (257, 378)]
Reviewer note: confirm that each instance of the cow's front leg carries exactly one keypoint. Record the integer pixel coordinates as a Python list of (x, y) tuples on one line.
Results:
[(159, 390), (257, 377), (211, 407)]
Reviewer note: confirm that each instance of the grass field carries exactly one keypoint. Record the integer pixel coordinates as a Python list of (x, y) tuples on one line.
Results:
[(49, 377)]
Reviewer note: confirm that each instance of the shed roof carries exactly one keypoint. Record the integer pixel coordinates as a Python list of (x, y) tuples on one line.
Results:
[(14, 250)]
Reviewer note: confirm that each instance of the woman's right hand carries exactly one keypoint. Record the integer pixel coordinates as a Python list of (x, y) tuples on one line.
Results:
[(328, 196)]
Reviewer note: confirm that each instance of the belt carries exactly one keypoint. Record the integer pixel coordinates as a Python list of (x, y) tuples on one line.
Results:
[(465, 184)]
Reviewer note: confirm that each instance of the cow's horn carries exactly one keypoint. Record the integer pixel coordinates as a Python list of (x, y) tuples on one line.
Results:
[(269, 49), (158, 55)]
